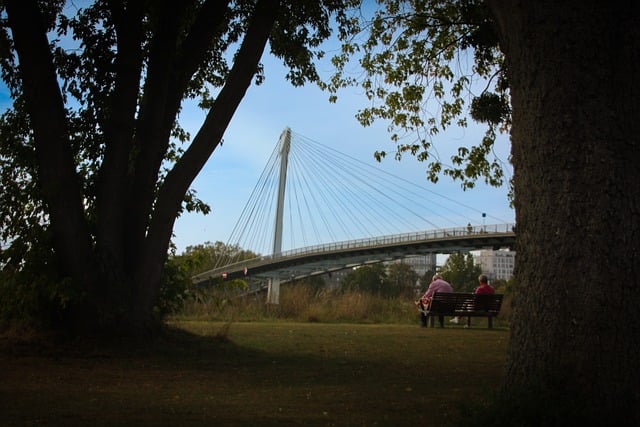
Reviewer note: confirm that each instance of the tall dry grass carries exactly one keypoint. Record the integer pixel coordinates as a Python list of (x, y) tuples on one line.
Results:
[(300, 303), (304, 303)]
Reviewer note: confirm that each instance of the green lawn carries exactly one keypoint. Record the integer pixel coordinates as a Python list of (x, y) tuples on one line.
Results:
[(259, 374)]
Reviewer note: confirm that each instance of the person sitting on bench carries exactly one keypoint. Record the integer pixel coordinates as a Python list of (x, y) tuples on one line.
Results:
[(484, 288), (438, 284)]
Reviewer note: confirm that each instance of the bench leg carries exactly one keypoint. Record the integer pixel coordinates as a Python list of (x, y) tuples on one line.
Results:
[(441, 320), (431, 321), (468, 321), (490, 322)]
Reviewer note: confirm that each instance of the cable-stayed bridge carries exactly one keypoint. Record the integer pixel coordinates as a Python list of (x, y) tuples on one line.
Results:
[(315, 210)]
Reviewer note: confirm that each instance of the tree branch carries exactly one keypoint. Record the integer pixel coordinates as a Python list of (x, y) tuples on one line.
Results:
[(119, 129), (155, 121), (206, 140), (210, 21), (56, 168)]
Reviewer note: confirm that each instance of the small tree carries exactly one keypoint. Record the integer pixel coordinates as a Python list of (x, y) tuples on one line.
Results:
[(461, 272), (368, 278), (207, 256), (402, 278)]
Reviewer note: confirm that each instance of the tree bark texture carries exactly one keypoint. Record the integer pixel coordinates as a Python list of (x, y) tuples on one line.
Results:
[(574, 73)]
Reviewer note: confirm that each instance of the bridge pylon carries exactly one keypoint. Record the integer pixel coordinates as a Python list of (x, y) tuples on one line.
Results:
[(273, 293)]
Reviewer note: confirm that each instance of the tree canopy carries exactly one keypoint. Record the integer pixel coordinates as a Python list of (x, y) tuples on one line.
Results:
[(366, 278), (402, 278), (461, 272), (95, 166), (427, 66)]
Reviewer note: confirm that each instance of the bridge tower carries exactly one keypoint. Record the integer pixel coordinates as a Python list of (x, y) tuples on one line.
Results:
[(273, 294)]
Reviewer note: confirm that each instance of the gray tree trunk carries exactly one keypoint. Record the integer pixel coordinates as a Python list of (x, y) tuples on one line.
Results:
[(574, 72)]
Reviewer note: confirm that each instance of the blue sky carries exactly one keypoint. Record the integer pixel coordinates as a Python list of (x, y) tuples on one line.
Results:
[(233, 170), (229, 177)]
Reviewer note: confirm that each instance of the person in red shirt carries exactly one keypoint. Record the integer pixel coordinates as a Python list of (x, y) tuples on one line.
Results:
[(484, 287)]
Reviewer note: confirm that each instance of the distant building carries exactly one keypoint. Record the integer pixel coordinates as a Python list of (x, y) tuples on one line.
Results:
[(333, 279), (496, 264), (421, 263)]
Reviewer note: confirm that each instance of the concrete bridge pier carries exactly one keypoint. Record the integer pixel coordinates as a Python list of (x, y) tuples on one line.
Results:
[(273, 291)]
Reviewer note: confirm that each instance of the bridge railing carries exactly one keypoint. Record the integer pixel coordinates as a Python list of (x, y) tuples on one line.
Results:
[(437, 234), (445, 233)]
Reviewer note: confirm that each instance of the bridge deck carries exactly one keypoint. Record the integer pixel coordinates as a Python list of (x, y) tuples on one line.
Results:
[(325, 258)]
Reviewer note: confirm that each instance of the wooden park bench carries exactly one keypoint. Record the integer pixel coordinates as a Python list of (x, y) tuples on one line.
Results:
[(463, 304)]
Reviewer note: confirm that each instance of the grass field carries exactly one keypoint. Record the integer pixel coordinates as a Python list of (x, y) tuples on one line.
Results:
[(255, 373)]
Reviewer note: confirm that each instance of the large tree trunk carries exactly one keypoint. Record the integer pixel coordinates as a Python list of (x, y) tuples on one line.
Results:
[(149, 265), (118, 270), (574, 69)]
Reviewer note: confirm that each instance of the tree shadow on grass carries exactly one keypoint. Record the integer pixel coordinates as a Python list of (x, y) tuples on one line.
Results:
[(261, 375)]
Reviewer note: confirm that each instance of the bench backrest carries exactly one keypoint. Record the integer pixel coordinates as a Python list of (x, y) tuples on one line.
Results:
[(461, 302)]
